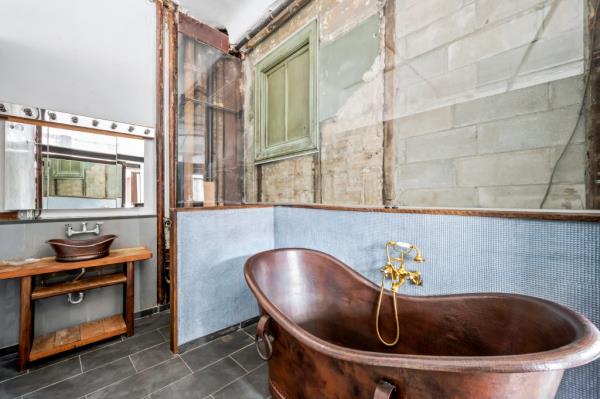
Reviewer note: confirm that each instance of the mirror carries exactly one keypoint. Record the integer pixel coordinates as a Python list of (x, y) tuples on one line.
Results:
[(58, 168)]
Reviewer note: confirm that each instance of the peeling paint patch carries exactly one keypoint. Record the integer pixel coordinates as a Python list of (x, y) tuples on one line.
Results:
[(345, 64)]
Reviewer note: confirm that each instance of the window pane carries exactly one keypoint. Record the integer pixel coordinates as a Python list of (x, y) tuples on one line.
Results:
[(276, 106), (298, 95)]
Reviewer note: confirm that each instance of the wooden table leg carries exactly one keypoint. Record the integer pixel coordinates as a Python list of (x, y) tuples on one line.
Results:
[(128, 297), (25, 323)]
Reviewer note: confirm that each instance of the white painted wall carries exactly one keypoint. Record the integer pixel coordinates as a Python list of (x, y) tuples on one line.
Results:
[(93, 57)]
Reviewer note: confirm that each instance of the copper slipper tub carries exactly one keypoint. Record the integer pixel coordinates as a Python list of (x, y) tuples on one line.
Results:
[(317, 330)]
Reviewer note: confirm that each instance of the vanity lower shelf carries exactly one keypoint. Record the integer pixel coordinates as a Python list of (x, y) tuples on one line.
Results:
[(87, 284), (74, 337)]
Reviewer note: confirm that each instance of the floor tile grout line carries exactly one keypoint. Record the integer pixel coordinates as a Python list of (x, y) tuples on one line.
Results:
[(237, 379), (52, 384), (14, 376), (241, 349), (238, 363), (214, 340), (192, 372), (133, 364), (81, 372), (131, 354), (228, 384), (184, 362), (123, 379)]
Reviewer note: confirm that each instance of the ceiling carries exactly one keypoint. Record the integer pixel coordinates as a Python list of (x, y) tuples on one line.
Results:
[(237, 16)]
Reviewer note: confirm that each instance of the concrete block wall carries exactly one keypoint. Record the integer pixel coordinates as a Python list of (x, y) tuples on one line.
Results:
[(496, 152), (450, 51)]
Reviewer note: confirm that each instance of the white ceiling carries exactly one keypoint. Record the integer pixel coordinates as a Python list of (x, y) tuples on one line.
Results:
[(237, 16)]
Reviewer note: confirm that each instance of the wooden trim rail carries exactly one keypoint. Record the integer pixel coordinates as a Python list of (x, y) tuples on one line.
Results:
[(575, 216)]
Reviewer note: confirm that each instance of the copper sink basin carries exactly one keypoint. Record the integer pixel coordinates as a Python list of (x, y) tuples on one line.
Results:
[(77, 250)]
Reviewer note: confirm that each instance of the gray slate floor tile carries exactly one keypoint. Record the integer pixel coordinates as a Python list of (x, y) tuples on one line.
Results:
[(120, 349), (248, 358), (37, 379), (204, 382), (165, 332), (85, 383), (251, 329), (215, 350), (8, 368), (146, 382), (152, 322), (152, 356), (252, 386)]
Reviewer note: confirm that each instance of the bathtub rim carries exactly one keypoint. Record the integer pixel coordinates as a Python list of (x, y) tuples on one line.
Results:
[(583, 350)]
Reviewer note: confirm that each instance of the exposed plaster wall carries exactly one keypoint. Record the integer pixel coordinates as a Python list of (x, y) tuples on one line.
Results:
[(350, 110), (486, 96)]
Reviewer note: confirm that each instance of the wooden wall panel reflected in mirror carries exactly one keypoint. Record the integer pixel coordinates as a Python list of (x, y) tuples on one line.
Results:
[(58, 168)]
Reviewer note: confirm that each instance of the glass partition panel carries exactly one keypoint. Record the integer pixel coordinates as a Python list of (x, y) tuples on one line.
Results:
[(209, 136)]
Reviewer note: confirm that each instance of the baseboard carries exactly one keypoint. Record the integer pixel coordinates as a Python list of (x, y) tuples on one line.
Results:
[(217, 334)]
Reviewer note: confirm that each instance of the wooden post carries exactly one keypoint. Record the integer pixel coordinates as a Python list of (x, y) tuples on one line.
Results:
[(173, 42), (160, 155), (128, 297), (389, 138), (25, 323)]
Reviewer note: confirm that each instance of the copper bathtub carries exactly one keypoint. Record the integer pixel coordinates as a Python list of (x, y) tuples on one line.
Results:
[(318, 331)]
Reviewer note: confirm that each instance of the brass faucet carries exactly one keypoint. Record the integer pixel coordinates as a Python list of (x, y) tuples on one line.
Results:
[(397, 274)]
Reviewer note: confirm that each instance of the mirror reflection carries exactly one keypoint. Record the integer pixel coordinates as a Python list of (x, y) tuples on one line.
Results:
[(52, 168)]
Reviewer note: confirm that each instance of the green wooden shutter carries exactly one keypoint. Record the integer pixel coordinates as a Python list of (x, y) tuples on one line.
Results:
[(276, 106), (298, 95)]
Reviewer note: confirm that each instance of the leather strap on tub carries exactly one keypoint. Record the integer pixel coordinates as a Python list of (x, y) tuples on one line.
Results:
[(384, 390), (262, 335)]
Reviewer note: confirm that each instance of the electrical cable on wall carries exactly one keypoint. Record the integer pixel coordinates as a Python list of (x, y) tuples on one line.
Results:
[(587, 75)]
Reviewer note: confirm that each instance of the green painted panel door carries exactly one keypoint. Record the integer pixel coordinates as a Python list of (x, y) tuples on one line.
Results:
[(298, 95), (275, 106)]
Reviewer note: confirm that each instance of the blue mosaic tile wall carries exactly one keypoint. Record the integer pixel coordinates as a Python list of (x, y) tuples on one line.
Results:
[(559, 261), (212, 247), (555, 260)]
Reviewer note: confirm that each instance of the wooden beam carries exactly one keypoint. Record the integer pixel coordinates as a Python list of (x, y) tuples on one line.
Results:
[(172, 73), (160, 154), (593, 111), (203, 33), (274, 24), (173, 278), (389, 87)]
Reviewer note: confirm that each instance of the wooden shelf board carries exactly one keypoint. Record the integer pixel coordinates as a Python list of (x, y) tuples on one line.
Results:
[(78, 286), (50, 265), (77, 336)]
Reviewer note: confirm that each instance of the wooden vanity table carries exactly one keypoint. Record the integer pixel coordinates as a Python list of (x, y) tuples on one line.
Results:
[(33, 348)]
